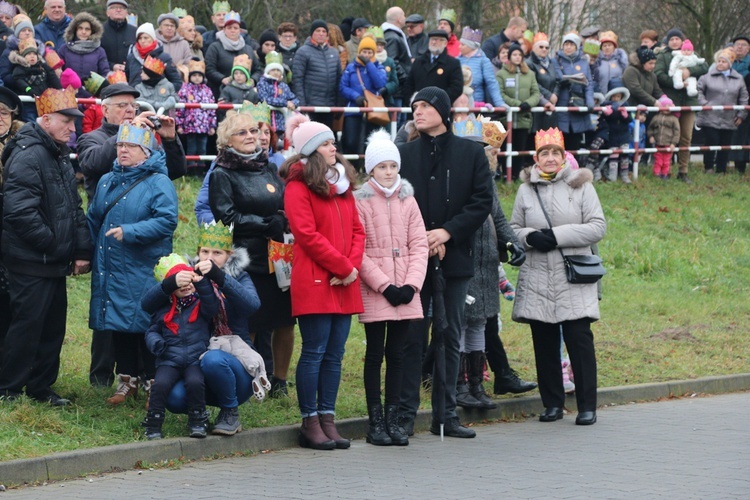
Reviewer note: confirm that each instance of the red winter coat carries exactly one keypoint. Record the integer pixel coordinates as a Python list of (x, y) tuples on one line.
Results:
[(329, 241), (391, 223)]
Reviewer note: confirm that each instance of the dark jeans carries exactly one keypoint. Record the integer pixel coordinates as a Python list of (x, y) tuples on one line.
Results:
[(195, 144), (132, 355), (319, 366), (580, 343), (493, 346), (165, 379), (356, 130), (35, 336), (392, 347), (716, 159), (102, 368), (455, 300)]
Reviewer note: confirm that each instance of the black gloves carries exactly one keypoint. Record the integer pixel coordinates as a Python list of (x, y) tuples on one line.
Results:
[(517, 254), (361, 102), (276, 224), (215, 274), (407, 294), (525, 106), (393, 295), (382, 92), (543, 240), (169, 285)]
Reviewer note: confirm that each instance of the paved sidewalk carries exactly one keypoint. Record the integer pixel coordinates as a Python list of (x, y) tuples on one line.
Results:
[(687, 448)]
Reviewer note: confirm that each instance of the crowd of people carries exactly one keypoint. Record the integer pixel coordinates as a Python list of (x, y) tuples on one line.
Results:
[(418, 246)]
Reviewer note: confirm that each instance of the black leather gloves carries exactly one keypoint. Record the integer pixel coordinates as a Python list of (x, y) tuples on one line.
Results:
[(543, 240), (517, 254)]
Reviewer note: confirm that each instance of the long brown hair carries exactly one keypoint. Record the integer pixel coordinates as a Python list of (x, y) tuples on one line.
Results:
[(314, 172)]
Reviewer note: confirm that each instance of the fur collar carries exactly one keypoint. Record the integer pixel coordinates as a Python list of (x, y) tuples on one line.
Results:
[(96, 27), (367, 191), (573, 178), (235, 265)]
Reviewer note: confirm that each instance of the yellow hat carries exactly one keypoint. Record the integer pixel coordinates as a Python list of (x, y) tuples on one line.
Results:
[(367, 42)]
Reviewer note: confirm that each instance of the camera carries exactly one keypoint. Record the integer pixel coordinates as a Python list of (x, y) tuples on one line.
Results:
[(155, 118)]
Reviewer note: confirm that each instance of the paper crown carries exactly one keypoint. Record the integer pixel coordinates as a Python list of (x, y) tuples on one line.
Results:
[(133, 134), (216, 235), (448, 15), (274, 57), (133, 20), (179, 12), (243, 61), (154, 64), (260, 112), (377, 32), (481, 129), (52, 59), (8, 9), (528, 35), (54, 100), (95, 83), (232, 17), (196, 66), (221, 7), (165, 264), (549, 137), (28, 45), (540, 37), (471, 35), (118, 76)]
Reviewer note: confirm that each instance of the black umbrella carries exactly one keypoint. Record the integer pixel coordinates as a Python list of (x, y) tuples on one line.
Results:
[(439, 325)]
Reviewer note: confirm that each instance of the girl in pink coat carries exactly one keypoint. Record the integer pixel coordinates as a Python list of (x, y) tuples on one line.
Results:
[(393, 270)]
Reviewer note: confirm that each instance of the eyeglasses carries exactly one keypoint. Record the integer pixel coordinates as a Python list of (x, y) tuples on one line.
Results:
[(288, 36), (5, 114), (243, 133), (545, 47), (116, 6), (123, 105)]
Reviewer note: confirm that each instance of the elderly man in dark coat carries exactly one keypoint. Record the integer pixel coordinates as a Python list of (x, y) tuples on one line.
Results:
[(435, 68)]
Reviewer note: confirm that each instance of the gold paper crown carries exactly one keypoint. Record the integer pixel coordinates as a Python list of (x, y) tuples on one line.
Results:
[(94, 83), (274, 57), (448, 15), (196, 66), (27, 44), (53, 100), (53, 60), (243, 61), (221, 7), (260, 112), (481, 129), (154, 64), (549, 137), (216, 235), (165, 264), (118, 76)]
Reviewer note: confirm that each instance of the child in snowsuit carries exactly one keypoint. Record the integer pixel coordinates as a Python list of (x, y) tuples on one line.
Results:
[(155, 89), (196, 124), (618, 122), (273, 91), (664, 132)]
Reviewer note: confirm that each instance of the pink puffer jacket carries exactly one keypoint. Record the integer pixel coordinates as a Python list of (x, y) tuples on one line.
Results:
[(396, 251)]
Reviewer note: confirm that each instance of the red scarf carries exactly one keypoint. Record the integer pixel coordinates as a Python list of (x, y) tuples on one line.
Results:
[(187, 301), (144, 51)]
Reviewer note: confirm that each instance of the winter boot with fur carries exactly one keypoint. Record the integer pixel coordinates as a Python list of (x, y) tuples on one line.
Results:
[(464, 399), (377, 434), (476, 389), (152, 423), (312, 436), (127, 387), (398, 438)]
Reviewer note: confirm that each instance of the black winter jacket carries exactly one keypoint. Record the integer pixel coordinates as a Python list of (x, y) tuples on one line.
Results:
[(97, 154), (316, 74), (117, 38), (445, 73), (44, 227), (453, 188), (398, 49)]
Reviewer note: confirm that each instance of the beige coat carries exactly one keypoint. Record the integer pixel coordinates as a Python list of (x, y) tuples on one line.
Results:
[(543, 292)]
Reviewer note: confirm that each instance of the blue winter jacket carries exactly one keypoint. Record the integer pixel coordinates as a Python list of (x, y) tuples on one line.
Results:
[(277, 94), (47, 31), (122, 271), (373, 76), (184, 348), (483, 81), (574, 123)]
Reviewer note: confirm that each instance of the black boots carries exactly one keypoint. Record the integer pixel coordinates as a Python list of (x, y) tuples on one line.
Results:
[(377, 434), (464, 399), (153, 422), (508, 381), (398, 438), (476, 376), (198, 422)]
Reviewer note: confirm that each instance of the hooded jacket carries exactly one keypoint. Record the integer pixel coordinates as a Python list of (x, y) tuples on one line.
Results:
[(543, 292), (84, 61), (44, 227), (123, 271), (373, 76), (219, 63), (396, 251), (608, 68), (665, 129), (317, 72), (643, 85), (483, 81), (6, 67)]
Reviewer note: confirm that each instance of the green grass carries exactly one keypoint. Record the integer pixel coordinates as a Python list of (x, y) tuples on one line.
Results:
[(674, 307)]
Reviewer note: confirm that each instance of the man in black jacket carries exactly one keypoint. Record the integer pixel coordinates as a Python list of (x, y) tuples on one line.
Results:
[(435, 68), (453, 188), (416, 36), (45, 238), (512, 33), (96, 154), (118, 36)]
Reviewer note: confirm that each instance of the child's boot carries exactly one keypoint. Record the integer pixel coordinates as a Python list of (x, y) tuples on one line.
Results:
[(612, 171), (198, 422), (153, 422), (127, 387)]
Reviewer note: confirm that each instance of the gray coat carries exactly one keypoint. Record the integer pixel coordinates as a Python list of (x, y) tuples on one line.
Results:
[(543, 292), (317, 71), (715, 89)]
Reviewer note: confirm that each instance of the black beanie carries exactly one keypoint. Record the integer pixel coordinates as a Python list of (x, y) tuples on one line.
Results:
[(675, 32), (318, 23), (438, 99), (645, 54), (269, 36)]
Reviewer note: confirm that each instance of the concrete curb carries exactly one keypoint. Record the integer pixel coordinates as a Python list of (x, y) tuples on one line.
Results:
[(120, 457)]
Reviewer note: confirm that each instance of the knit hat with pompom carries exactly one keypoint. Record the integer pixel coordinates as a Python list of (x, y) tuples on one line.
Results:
[(307, 136), (380, 148)]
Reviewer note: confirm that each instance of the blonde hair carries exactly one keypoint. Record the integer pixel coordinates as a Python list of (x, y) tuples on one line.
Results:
[(231, 124)]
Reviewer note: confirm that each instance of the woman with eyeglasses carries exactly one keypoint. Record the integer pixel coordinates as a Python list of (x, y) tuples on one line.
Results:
[(548, 78), (245, 191)]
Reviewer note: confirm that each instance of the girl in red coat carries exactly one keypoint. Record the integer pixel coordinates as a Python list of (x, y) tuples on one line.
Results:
[(328, 246)]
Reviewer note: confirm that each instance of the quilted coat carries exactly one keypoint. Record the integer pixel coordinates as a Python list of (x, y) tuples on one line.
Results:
[(94, 59), (574, 123), (317, 71), (277, 94), (396, 251), (543, 292), (196, 121), (715, 89)]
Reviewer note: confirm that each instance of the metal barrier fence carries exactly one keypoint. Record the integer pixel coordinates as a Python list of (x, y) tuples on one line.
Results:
[(508, 153)]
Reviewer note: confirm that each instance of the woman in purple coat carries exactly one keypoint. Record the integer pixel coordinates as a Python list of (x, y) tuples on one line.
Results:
[(82, 51)]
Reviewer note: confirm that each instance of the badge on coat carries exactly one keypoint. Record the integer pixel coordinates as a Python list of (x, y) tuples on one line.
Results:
[(440, 71), (387, 69), (162, 91), (613, 65), (271, 188), (542, 71), (510, 83), (578, 67)]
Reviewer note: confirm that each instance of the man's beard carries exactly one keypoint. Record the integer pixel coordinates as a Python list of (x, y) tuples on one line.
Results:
[(436, 51)]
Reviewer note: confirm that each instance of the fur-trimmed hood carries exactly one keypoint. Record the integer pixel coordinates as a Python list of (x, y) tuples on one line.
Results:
[(236, 263), (96, 27), (367, 191), (574, 178)]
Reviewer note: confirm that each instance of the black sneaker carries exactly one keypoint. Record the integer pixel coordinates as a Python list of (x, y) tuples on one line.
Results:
[(279, 388), (49, 396)]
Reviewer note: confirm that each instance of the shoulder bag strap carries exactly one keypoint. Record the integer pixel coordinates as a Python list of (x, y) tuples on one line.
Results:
[(122, 195), (547, 217)]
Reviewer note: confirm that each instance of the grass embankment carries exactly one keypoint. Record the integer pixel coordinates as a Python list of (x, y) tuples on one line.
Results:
[(674, 307)]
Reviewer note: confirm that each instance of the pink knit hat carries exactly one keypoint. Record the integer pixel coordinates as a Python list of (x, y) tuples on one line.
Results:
[(687, 45), (665, 102), (307, 136), (70, 78)]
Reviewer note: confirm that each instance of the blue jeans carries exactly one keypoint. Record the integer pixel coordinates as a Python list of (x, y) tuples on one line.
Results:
[(195, 144), (319, 367), (228, 384)]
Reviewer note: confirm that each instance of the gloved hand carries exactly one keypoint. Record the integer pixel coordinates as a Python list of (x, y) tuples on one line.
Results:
[(517, 254), (541, 241), (407, 293), (607, 110), (382, 92), (525, 106), (624, 112), (361, 102), (169, 284), (215, 274), (393, 295), (276, 223), (362, 60)]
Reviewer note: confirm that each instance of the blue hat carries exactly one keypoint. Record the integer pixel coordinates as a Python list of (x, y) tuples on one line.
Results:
[(133, 134)]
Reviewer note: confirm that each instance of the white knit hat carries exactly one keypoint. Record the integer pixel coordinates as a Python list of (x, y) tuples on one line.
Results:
[(146, 28), (380, 148)]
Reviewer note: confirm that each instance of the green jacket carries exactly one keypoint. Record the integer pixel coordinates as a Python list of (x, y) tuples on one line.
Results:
[(518, 87), (679, 97)]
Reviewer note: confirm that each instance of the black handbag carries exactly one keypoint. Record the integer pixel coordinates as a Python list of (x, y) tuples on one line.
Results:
[(579, 269)]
